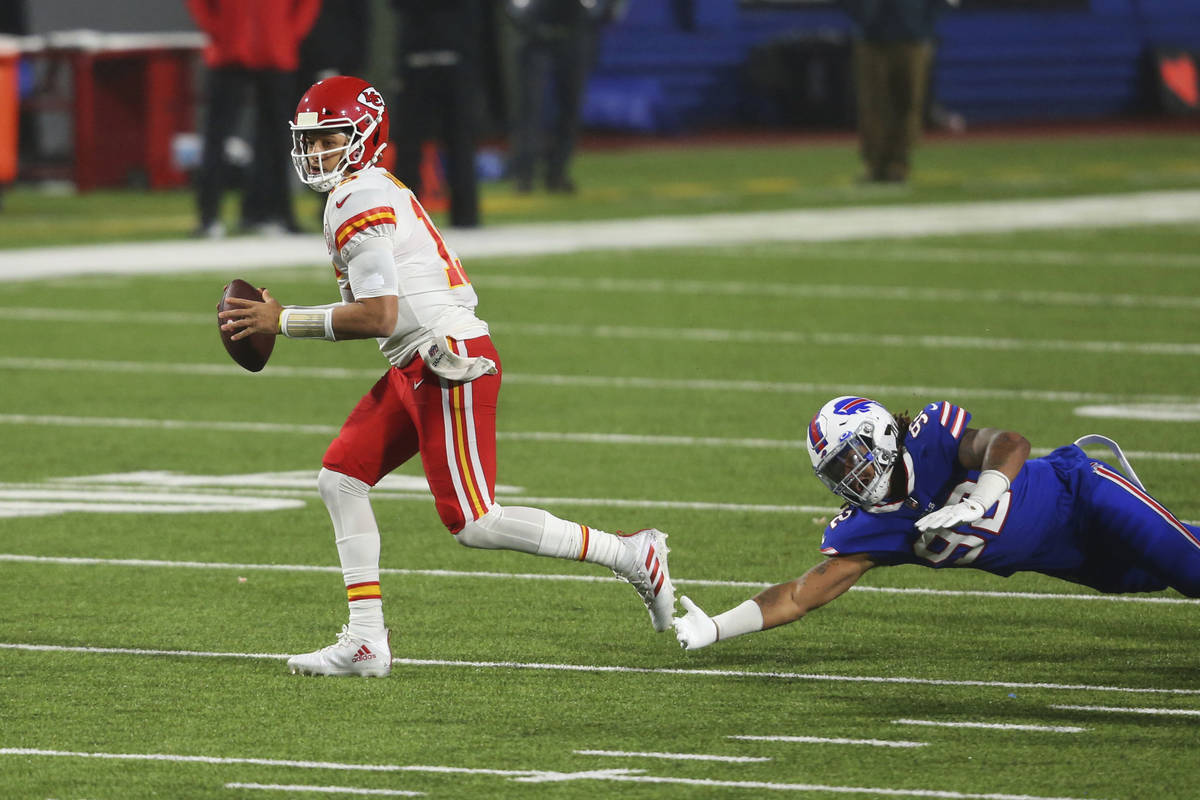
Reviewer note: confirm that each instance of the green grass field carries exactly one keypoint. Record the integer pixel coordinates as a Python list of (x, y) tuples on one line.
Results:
[(144, 623)]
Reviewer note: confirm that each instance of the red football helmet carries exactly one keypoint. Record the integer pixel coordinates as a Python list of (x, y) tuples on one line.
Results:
[(338, 103)]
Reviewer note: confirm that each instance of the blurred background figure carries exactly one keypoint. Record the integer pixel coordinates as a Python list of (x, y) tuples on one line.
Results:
[(892, 57), (252, 58), (436, 99), (551, 41), (323, 55)]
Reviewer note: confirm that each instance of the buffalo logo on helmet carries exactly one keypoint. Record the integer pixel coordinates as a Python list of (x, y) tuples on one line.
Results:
[(853, 405)]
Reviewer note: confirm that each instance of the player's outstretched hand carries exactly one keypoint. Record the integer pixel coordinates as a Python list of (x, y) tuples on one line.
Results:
[(695, 629), (961, 513)]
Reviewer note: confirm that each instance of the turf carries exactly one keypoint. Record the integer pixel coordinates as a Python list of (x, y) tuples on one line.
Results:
[(513, 671)]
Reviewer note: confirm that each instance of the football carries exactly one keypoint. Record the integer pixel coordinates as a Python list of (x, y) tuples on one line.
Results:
[(252, 352)]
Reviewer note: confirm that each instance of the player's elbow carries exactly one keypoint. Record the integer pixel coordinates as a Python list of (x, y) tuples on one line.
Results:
[(1014, 443)]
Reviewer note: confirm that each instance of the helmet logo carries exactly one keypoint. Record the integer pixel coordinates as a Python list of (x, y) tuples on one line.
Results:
[(853, 405), (371, 98)]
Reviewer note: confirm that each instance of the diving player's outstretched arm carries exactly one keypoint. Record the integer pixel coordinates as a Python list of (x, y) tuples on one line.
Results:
[(778, 605)]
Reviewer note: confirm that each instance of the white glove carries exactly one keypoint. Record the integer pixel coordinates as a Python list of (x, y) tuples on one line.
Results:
[(964, 511), (694, 630), (989, 486)]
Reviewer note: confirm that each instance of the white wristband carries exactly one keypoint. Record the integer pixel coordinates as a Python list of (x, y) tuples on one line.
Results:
[(989, 486), (746, 618), (307, 323)]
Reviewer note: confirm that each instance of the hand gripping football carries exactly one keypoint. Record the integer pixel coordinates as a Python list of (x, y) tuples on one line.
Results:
[(252, 352)]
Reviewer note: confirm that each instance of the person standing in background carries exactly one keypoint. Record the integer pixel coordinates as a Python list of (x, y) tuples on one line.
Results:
[(552, 40), (252, 56), (438, 96), (892, 57)]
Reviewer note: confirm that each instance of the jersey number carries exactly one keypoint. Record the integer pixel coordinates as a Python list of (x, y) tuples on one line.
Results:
[(936, 546), (455, 275)]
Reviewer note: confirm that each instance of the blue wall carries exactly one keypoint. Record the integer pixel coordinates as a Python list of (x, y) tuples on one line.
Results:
[(991, 65)]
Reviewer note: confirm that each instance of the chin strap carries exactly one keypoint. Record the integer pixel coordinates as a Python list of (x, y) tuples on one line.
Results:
[(1095, 438)]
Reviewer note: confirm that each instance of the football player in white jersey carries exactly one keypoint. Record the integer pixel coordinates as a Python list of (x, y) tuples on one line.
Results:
[(402, 284)]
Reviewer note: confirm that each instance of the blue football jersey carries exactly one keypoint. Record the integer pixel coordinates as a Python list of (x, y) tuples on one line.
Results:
[(1029, 528)]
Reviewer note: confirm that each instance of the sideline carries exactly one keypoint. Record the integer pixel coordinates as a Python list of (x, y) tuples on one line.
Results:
[(806, 225)]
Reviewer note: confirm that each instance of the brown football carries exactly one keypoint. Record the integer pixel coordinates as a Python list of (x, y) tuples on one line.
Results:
[(252, 352)]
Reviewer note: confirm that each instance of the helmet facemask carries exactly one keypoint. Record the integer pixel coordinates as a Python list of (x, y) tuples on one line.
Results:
[(314, 175), (857, 468)]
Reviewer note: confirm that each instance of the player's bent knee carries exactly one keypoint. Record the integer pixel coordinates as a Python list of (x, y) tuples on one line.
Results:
[(330, 484), (482, 533)]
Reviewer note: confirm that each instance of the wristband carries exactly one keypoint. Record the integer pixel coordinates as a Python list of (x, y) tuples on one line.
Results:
[(307, 323), (989, 486), (746, 618)]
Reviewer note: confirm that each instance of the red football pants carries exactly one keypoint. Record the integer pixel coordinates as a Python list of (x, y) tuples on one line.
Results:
[(452, 425)]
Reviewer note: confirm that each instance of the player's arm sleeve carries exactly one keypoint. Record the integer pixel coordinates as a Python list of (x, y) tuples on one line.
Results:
[(372, 269)]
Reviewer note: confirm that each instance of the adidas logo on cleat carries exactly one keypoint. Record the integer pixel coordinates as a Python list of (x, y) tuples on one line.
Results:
[(655, 573), (364, 654)]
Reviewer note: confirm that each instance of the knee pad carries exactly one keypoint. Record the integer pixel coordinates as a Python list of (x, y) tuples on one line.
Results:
[(480, 532), (330, 484), (497, 530)]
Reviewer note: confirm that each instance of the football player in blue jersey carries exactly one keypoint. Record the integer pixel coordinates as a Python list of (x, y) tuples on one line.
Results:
[(932, 491)]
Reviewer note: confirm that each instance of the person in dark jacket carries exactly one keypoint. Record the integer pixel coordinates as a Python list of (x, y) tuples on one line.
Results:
[(438, 96), (252, 57), (892, 58), (553, 41)]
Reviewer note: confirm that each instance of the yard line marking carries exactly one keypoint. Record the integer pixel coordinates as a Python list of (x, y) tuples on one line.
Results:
[(330, 430), (265, 762), (930, 342), (673, 756), (807, 787), (823, 740), (233, 426), (292, 787), (602, 669), (707, 335), (541, 436), (537, 776), (986, 255), (807, 291), (693, 230), (446, 573), (996, 726), (1183, 712), (615, 382)]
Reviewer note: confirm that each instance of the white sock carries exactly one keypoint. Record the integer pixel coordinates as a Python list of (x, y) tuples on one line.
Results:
[(357, 537)]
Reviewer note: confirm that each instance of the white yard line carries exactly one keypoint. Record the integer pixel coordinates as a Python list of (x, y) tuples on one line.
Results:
[(600, 381), (527, 776), (993, 726), (14, 558), (706, 335), (295, 787), (624, 670), (1167, 712), (706, 230), (235, 426), (673, 756), (835, 740), (811, 291)]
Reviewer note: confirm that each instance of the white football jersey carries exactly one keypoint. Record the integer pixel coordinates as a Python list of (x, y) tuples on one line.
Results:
[(436, 297)]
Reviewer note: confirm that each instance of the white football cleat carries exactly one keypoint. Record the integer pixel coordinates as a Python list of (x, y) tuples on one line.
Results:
[(349, 655), (646, 568)]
